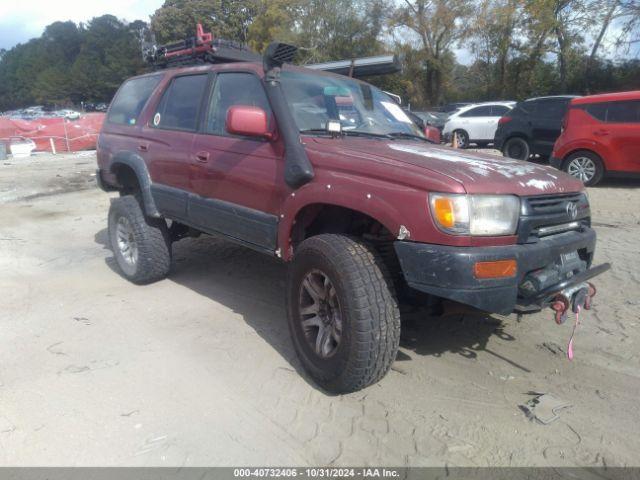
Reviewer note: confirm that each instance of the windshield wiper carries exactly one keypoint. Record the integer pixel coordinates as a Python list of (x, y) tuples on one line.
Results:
[(408, 135), (314, 131), (348, 133), (359, 133)]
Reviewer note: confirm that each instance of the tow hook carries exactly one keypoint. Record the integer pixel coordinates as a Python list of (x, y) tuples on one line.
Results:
[(561, 306), (575, 298)]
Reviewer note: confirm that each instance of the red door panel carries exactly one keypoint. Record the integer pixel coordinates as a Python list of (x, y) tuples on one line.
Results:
[(241, 171), (245, 171), (168, 157), (624, 146)]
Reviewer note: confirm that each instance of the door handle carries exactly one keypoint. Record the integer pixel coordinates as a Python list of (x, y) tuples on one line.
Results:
[(202, 157), (143, 147), (601, 132)]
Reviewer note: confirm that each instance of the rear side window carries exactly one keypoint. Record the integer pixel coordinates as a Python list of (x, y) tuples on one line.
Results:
[(131, 99), (180, 104), (498, 110), (234, 89), (484, 111), (551, 108), (524, 109), (624, 112), (598, 111), (615, 112)]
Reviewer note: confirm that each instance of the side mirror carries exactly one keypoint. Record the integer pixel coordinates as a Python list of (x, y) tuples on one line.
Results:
[(248, 121)]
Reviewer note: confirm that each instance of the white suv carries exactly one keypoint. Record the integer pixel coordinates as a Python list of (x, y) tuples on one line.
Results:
[(476, 123)]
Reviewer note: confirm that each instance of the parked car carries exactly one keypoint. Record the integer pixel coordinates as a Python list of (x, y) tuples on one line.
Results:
[(430, 132), (532, 127), (600, 136), (476, 123), (435, 119), (445, 111), (21, 147), (70, 114), (360, 211)]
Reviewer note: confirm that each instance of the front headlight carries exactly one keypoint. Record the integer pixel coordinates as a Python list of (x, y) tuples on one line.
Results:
[(488, 215)]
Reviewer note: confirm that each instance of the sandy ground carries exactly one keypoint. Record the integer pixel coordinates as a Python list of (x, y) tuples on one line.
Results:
[(199, 370)]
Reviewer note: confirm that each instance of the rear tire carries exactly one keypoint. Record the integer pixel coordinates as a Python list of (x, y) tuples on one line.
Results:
[(342, 311), (516, 148), (463, 138), (140, 244), (586, 166)]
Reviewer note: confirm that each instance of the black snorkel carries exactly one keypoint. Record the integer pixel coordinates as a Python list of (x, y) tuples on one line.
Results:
[(297, 167)]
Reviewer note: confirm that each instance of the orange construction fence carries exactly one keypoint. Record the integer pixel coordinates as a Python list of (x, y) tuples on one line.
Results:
[(66, 135)]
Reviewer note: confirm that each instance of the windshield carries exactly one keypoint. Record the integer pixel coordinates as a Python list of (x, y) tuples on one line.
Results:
[(360, 107)]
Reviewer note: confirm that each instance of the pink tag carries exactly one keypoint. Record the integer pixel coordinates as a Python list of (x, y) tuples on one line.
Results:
[(570, 349), (570, 346)]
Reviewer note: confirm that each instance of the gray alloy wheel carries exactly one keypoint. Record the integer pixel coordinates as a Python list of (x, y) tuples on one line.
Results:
[(582, 168), (342, 312), (463, 138), (141, 245), (320, 313), (586, 166), (126, 241)]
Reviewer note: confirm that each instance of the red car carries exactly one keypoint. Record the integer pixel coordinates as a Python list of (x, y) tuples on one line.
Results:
[(601, 136)]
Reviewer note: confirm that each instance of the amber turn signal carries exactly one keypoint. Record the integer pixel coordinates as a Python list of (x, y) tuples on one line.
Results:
[(496, 269), (443, 210)]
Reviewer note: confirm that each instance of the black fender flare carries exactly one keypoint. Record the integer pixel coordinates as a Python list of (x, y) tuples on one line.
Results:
[(136, 163)]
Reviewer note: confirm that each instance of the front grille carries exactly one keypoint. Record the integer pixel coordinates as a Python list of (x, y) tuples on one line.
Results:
[(546, 215), (550, 204)]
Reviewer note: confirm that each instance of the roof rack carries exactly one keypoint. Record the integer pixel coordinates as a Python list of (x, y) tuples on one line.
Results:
[(361, 67), (202, 48)]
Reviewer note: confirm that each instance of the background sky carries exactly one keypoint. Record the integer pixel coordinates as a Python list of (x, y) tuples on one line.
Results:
[(21, 20)]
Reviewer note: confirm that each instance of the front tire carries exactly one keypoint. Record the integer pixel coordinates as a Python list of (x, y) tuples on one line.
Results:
[(342, 312), (516, 148), (140, 244), (585, 166)]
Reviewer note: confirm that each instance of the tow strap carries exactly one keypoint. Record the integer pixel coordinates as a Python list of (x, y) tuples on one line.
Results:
[(573, 332), (574, 300)]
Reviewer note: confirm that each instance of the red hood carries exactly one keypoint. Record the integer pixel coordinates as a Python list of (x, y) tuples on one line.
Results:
[(477, 172)]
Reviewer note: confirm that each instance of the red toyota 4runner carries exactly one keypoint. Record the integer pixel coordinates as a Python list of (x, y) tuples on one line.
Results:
[(331, 176)]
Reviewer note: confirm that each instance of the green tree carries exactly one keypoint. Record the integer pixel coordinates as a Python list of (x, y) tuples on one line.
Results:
[(492, 40), (275, 21), (229, 19), (323, 29), (434, 26)]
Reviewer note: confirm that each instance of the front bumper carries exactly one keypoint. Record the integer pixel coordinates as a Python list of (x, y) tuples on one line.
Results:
[(448, 272), (555, 162)]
